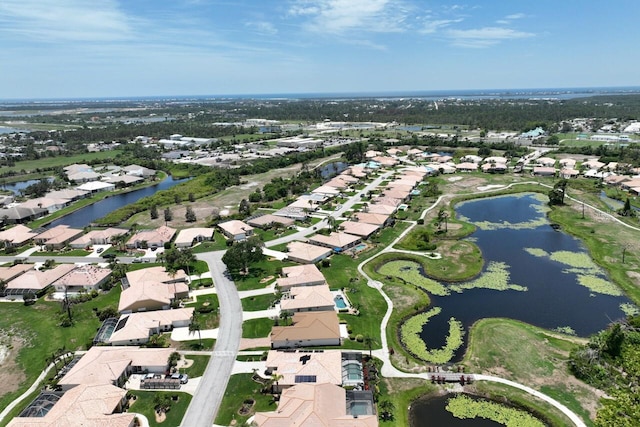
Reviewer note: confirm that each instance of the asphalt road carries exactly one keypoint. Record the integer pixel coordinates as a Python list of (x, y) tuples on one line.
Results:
[(208, 396)]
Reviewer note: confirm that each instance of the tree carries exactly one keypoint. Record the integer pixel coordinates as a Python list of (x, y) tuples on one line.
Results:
[(242, 254), (386, 408), (443, 216), (177, 198), (192, 198), (29, 298), (195, 326), (556, 195), (369, 342), (190, 215), (168, 215), (153, 212), (285, 315), (245, 208)]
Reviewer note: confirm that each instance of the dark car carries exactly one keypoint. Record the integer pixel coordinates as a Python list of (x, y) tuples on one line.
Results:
[(108, 256), (100, 250)]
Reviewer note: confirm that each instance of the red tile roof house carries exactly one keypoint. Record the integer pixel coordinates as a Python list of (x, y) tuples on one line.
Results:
[(137, 328), (35, 281), (97, 237), (151, 289), (313, 405), (305, 253), (17, 236), (83, 278), (114, 365), (7, 274), (325, 366), (309, 329), (267, 220), (189, 236), (151, 238), (341, 241), (544, 171), (236, 230), (308, 298), (380, 220), (361, 229), (57, 237), (300, 275)]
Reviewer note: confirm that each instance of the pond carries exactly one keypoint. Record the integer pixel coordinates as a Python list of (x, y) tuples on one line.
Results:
[(332, 169), (17, 187), (432, 412), (551, 280), (86, 215)]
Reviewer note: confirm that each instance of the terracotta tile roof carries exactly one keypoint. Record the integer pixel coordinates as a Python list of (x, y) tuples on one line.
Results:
[(334, 240), (308, 297), (300, 275), (309, 326)]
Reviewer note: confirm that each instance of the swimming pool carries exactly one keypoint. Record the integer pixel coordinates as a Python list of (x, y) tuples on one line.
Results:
[(340, 302)]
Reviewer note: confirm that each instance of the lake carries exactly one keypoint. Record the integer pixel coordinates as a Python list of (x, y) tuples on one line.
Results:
[(332, 169), (17, 187), (514, 230), (85, 216)]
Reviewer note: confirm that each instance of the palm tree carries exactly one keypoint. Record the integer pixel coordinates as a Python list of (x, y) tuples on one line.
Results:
[(386, 408), (195, 326), (369, 342), (285, 315), (275, 378)]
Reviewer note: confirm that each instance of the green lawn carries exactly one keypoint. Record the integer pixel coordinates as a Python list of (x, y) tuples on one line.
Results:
[(240, 388), (257, 272), (73, 252), (219, 243), (39, 326), (145, 406), (198, 367), (256, 328), (258, 302), (266, 235), (52, 162)]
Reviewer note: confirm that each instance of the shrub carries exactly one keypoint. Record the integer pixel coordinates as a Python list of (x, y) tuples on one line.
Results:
[(359, 338)]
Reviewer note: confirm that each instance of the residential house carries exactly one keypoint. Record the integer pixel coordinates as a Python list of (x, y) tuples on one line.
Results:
[(380, 220), (567, 162), (98, 237), (236, 230), (326, 190), (190, 236), (300, 275), (140, 171), (361, 229), (592, 164), (546, 161), (336, 241), (292, 367), (7, 274), (71, 194), (305, 253), (137, 328), (544, 171), (568, 173), (16, 236), (314, 405), (616, 180), (20, 215), (36, 281), (320, 328), (376, 208), (114, 365), (83, 278), (268, 220), (471, 158), (81, 406), (57, 237), (48, 203), (151, 289), (467, 167), (308, 298), (151, 238)]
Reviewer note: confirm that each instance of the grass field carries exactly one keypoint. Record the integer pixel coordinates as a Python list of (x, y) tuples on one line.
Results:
[(38, 327), (52, 162), (531, 356), (256, 328), (258, 302), (240, 388)]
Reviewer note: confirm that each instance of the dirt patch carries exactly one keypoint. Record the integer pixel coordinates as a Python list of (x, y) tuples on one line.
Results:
[(11, 375), (246, 343), (160, 417), (266, 279)]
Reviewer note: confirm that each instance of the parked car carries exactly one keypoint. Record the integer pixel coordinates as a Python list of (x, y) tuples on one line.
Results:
[(184, 378), (137, 260), (109, 256), (100, 250)]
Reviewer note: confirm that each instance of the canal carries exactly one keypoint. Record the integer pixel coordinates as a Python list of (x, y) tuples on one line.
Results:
[(86, 215)]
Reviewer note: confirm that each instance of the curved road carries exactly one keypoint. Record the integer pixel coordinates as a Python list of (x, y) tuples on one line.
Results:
[(208, 396)]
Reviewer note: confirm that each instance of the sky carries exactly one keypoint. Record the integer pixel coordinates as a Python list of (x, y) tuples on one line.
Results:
[(126, 48)]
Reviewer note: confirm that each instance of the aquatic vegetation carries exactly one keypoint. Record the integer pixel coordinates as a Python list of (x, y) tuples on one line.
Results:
[(629, 309), (539, 252), (580, 260), (599, 285), (410, 336), (409, 271), (567, 330), (538, 220), (463, 407), (496, 277)]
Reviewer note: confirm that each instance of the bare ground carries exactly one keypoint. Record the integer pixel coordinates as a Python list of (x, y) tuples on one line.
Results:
[(11, 375)]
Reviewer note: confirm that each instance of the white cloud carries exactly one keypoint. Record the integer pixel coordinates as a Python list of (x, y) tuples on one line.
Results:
[(65, 20), (431, 27), (485, 37), (340, 16), (515, 16), (262, 27)]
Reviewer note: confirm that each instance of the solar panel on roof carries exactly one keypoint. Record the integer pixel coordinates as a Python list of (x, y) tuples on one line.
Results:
[(305, 379)]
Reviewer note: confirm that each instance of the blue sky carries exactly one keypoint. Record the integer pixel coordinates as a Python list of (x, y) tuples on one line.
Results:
[(112, 48)]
